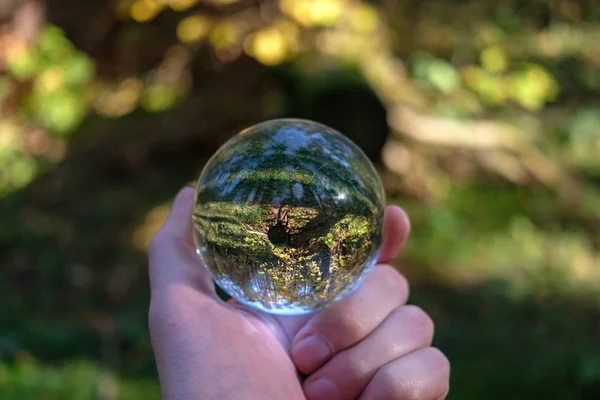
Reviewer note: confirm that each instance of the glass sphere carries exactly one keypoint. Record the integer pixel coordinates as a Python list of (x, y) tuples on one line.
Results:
[(288, 216)]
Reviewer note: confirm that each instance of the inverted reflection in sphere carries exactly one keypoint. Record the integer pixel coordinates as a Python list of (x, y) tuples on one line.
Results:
[(288, 216)]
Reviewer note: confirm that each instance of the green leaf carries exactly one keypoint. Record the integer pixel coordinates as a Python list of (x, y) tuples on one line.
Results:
[(585, 124), (438, 73), (443, 76), (159, 98), (533, 86), (24, 63), (78, 69), (22, 171), (54, 45), (61, 111)]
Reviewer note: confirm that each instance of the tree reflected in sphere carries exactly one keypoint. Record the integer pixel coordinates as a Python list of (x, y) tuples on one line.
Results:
[(288, 216)]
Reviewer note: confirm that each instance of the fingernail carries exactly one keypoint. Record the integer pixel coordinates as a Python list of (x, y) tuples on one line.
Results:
[(311, 352), (321, 389)]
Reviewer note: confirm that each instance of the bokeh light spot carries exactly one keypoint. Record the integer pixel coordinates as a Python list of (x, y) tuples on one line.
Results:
[(121, 100), (494, 59), (364, 18), (145, 10), (313, 12), (50, 80), (152, 223), (181, 5), (159, 97), (224, 34), (268, 46), (194, 28)]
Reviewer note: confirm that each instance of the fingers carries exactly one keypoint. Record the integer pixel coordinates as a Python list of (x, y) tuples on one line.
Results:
[(421, 375), (172, 257), (405, 330), (395, 232), (350, 320)]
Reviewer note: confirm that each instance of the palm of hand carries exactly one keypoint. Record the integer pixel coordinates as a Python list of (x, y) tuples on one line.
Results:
[(251, 350)]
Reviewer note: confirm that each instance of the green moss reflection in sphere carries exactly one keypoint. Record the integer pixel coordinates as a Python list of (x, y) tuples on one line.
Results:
[(288, 216)]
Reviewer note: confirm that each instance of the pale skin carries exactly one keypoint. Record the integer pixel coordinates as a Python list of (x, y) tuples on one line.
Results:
[(368, 346)]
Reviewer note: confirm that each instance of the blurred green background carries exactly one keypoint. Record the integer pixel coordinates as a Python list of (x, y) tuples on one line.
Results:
[(483, 117)]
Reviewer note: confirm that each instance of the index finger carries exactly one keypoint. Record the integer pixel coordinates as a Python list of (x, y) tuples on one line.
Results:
[(395, 232)]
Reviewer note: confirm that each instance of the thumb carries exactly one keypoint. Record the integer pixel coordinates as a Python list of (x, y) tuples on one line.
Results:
[(173, 260)]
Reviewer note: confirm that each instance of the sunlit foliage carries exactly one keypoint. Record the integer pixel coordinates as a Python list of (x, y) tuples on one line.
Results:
[(494, 117)]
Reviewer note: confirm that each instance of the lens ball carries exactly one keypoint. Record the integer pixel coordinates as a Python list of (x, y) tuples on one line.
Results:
[(288, 216)]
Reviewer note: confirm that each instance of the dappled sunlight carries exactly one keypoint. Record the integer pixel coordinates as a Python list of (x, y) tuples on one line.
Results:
[(193, 28), (181, 5), (145, 10), (494, 59), (268, 46), (118, 100), (533, 262), (226, 33), (314, 12), (487, 114), (274, 44)]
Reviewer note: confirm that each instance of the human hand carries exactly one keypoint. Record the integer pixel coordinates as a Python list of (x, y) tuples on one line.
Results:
[(367, 346)]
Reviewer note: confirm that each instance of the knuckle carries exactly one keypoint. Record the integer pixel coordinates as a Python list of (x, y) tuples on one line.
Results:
[(395, 280), (350, 372), (340, 326), (439, 362), (355, 370), (431, 381), (398, 387), (419, 320), (354, 330)]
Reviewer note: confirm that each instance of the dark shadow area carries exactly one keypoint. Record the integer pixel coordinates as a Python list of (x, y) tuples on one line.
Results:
[(518, 349)]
